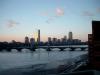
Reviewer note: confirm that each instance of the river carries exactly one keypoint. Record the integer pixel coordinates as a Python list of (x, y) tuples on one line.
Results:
[(15, 59)]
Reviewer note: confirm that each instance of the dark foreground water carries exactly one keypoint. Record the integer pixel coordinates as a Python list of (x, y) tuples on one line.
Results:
[(16, 59)]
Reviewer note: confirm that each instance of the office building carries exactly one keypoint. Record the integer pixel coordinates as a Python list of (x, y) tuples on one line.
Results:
[(54, 40), (70, 36), (49, 40), (26, 40), (59, 41), (64, 40), (90, 49), (32, 42), (38, 39), (94, 45)]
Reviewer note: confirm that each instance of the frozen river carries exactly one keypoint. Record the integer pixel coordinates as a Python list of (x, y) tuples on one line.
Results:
[(15, 59)]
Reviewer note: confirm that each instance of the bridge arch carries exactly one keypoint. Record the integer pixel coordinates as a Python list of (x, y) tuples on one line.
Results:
[(62, 49), (8, 49), (40, 49), (83, 49), (4, 50), (25, 50), (48, 49), (77, 49), (14, 50), (55, 49), (19, 49), (72, 48), (86, 49), (68, 49)]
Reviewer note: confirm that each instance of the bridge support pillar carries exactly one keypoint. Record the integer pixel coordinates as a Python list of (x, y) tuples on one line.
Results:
[(72, 49), (8, 49), (61, 49), (82, 49), (33, 49), (19, 49), (48, 49)]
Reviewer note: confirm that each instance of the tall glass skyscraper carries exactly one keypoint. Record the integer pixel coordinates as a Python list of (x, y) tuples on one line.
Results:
[(38, 36), (70, 35)]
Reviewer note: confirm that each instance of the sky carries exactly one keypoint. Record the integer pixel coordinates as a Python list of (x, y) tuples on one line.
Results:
[(54, 18)]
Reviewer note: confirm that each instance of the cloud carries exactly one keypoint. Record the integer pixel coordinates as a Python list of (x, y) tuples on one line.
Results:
[(59, 12), (11, 23), (53, 15), (98, 10), (87, 13), (49, 20)]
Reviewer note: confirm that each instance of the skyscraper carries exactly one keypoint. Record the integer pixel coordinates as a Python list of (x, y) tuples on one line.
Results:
[(32, 42), (70, 35), (65, 38), (49, 40), (26, 40), (54, 41), (38, 40)]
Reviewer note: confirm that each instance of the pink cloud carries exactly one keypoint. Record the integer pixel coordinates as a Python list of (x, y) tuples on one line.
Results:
[(59, 12), (53, 15)]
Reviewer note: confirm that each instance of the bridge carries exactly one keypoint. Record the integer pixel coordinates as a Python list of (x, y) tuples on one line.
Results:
[(62, 48), (48, 48)]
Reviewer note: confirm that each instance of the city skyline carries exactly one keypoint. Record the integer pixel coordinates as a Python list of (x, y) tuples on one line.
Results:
[(49, 38), (55, 18), (64, 38)]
